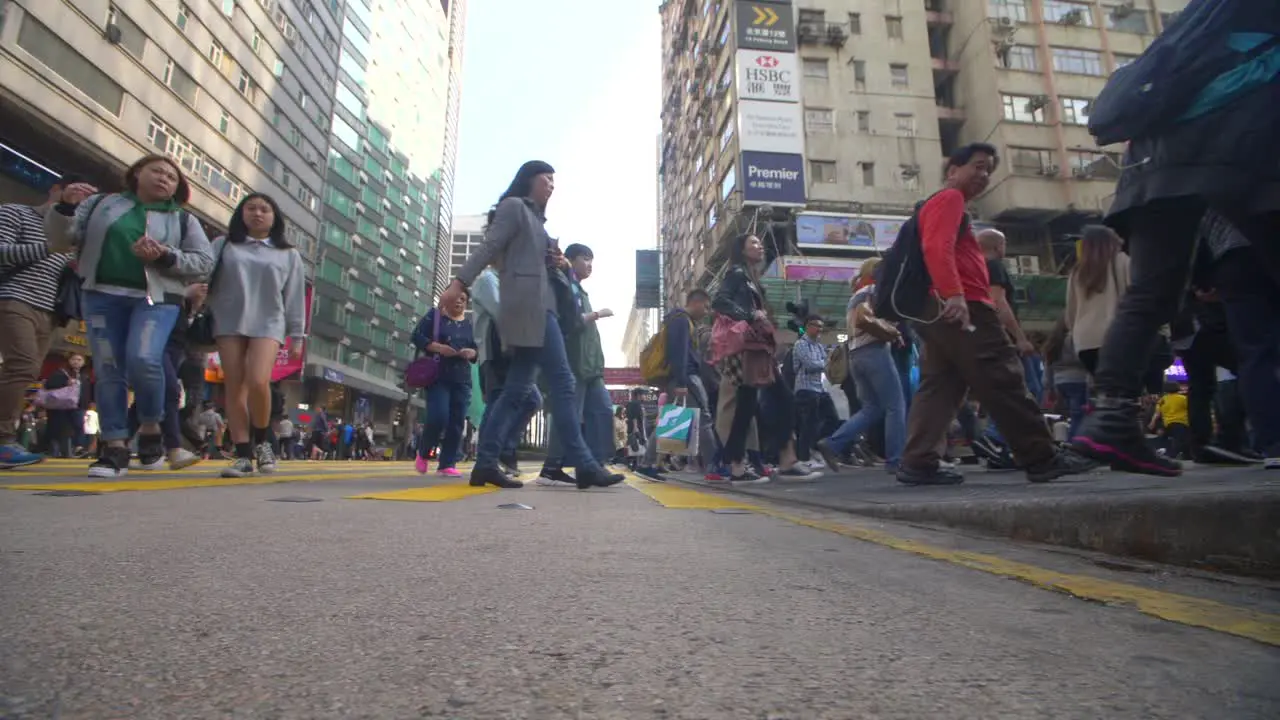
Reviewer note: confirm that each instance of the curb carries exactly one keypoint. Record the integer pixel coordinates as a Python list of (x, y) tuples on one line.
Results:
[(1234, 533)]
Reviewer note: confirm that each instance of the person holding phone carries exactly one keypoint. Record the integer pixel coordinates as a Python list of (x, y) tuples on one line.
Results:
[(138, 251)]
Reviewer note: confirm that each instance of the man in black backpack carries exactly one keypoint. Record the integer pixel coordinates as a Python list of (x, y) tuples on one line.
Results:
[(965, 346)]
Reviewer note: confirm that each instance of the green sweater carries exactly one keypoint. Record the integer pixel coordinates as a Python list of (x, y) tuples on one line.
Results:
[(118, 266), (586, 352)]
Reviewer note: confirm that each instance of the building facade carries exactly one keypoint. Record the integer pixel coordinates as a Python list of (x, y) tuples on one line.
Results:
[(453, 113), (468, 234), (868, 97), (238, 93)]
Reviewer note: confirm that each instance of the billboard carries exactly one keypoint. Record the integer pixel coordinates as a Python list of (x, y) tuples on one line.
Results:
[(773, 179), (768, 76), (648, 279), (863, 232), (771, 127), (765, 25), (841, 270)]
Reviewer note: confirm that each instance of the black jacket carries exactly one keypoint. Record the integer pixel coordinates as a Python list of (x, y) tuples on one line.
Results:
[(739, 295)]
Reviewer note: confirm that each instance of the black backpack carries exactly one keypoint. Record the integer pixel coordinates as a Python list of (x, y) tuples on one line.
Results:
[(903, 285)]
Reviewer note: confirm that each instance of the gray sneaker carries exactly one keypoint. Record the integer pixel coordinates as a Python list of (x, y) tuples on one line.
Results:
[(265, 457), (239, 468)]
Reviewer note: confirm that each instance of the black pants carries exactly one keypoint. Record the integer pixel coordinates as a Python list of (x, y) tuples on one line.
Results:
[(1250, 293), (809, 421), (1209, 351)]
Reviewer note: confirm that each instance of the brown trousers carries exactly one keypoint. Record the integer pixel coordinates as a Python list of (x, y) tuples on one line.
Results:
[(25, 333), (953, 362)]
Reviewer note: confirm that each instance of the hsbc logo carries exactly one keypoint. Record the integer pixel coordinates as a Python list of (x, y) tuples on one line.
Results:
[(767, 61)]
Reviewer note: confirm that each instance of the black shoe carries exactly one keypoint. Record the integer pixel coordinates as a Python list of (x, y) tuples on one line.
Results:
[(510, 462), (828, 456), (938, 475), (651, 473), (1218, 455), (482, 476), (113, 462), (1112, 434), (1064, 462), (599, 477)]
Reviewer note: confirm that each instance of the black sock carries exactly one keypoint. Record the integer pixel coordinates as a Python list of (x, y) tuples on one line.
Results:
[(244, 450), (259, 435)]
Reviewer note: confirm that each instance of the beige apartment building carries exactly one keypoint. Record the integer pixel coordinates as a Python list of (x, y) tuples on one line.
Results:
[(887, 89)]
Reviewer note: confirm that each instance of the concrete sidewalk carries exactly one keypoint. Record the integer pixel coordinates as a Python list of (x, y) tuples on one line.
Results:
[(1212, 518)]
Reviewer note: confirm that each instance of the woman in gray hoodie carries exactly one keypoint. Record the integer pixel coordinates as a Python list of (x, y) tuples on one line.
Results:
[(138, 250)]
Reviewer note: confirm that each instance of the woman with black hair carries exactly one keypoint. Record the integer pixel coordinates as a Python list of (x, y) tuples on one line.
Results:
[(256, 297), (529, 261)]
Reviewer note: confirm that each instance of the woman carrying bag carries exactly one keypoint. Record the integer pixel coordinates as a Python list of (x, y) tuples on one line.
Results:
[(448, 334)]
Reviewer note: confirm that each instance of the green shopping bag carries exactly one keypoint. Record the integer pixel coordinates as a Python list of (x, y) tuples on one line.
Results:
[(678, 430)]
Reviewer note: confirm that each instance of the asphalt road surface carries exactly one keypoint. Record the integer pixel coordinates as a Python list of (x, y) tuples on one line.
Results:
[(213, 602)]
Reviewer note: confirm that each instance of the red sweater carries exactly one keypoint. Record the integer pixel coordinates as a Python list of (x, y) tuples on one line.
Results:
[(957, 266)]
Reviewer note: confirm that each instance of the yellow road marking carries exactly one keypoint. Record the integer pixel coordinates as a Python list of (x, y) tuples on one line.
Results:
[(1183, 609), (107, 486), (435, 493), (49, 470)]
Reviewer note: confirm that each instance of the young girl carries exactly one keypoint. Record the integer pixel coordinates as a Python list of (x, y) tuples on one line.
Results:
[(256, 296)]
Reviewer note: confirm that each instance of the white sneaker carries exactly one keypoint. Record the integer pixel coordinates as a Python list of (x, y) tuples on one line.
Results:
[(182, 458), (546, 481), (1271, 463)]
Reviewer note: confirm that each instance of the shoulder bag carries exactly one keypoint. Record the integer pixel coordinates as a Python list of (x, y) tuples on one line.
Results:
[(424, 371), (200, 329)]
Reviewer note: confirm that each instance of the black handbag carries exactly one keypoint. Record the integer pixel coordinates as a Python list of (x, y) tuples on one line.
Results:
[(67, 304), (200, 329)]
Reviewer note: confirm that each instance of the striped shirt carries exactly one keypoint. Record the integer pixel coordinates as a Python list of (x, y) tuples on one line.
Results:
[(29, 273)]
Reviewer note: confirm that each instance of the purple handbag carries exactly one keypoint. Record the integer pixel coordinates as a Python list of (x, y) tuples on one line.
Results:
[(425, 369)]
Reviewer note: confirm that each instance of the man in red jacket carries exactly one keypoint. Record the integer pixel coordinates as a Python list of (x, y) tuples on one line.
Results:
[(965, 347)]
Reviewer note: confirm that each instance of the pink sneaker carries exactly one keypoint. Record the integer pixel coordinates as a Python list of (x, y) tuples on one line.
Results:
[(420, 464), (449, 472)]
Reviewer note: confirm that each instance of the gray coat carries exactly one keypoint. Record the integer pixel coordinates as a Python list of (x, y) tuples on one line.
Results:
[(516, 242)]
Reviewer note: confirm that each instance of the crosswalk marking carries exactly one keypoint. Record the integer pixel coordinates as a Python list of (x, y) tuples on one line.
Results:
[(433, 493)]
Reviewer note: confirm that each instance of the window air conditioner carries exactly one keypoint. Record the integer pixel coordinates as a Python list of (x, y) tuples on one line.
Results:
[(359, 208)]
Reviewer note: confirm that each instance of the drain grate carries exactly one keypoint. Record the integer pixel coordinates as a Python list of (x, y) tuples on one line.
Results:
[(294, 498)]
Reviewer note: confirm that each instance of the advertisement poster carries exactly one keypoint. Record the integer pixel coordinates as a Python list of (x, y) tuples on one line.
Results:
[(841, 270), (771, 127), (284, 366), (864, 232), (773, 178), (765, 26), (767, 76)]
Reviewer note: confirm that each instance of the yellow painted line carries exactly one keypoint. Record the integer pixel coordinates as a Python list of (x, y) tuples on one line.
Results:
[(209, 480), (1183, 609), (435, 493), (44, 470)]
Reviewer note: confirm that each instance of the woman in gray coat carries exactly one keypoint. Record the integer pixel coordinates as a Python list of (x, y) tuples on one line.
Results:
[(529, 325)]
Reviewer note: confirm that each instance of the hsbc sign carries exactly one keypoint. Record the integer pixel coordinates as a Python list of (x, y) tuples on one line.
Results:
[(767, 76)]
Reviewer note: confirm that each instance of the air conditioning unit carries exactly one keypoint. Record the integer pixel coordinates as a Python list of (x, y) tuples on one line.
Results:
[(1050, 170), (363, 178), (359, 208), (1072, 17), (386, 175), (1081, 173), (1122, 10), (400, 279), (352, 271), (1028, 265), (374, 322), (397, 307), (382, 232), (380, 261), (346, 341), (349, 306), (386, 203), (112, 33), (395, 335), (373, 352), (311, 159), (1005, 21), (378, 291), (1037, 103), (402, 252), (355, 239)]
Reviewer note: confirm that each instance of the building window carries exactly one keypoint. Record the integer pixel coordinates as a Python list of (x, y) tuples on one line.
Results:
[(224, 121), (1020, 57), (180, 82), (711, 217), (217, 55), (132, 39), (726, 134), (256, 43), (1015, 10), (815, 68), (1126, 18), (65, 62), (184, 13), (906, 123), (868, 174), (1029, 161), (728, 182), (819, 121), (1075, 111), (1023, 108), (898, 75), (277, 68), (1068, 13), (855, 23), (893, 27), (822, 171), (864, 121), (1076, 61), (229, 8), (244, 84), (1087, 164), (1122, 59), (817, 18)]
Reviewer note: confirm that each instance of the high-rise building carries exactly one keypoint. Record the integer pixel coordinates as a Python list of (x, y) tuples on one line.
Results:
[(819, 124), (382, 205), (239, 93), (468, 234), (457, 25)]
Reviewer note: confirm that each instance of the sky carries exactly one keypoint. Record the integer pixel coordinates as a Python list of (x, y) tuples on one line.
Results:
[(575, 83)]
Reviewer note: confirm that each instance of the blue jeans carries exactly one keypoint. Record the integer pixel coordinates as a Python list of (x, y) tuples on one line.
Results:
[(532, 404), (594, 414), (128, 337), (1076, 395), (525, 363), (170, 427), (1251, 297), (880, 390), (447, 404)]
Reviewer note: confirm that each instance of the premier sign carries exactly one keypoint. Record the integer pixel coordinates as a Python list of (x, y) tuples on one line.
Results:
[(773, 179)]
